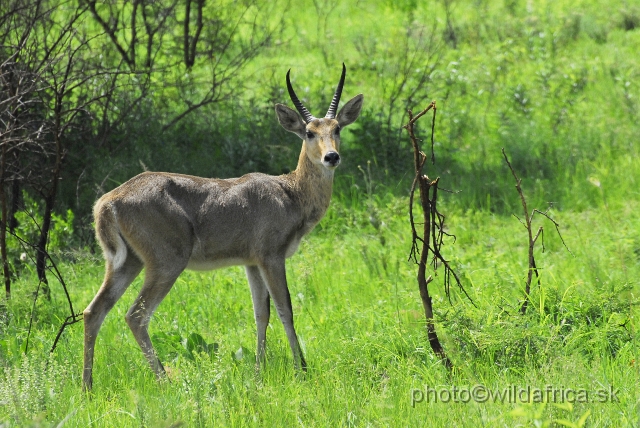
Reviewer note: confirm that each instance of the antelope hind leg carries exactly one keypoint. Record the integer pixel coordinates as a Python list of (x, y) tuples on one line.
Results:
[(113, 287), (157, 284)]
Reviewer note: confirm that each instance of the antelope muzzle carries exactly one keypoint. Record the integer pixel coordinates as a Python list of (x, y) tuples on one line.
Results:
[(331, 159)]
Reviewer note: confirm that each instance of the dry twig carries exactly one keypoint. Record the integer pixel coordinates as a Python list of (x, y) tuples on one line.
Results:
[(528, 218), (432, 233), (51, 267)]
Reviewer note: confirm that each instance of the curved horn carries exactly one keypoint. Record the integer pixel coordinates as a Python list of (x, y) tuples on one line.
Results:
[(333, 107), (308, 117)]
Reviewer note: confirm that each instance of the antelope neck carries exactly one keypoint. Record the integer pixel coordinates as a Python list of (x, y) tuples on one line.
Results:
[(313, 183)]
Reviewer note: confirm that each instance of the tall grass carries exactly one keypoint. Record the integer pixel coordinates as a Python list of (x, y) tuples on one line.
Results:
[(360, 322), (555, 83)]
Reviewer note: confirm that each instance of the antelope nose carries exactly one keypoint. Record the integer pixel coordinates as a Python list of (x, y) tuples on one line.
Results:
[(332, 158)]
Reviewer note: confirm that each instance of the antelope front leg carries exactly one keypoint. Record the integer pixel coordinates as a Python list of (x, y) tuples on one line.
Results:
[(274, 274), (261, 310)]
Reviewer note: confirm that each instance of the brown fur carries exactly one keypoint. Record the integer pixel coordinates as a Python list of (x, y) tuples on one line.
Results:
[(170, 222)]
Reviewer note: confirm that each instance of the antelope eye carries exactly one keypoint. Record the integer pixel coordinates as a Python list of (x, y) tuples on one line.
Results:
[(338, 130), (310, 134)]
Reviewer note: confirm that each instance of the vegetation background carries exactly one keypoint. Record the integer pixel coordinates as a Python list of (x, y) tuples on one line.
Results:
[(553, 82)]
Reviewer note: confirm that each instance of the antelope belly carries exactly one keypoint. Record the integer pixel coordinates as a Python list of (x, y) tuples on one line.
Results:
[(216, 264)]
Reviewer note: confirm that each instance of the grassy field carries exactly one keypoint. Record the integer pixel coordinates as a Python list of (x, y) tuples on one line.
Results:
[(360, 320), (556, 84)]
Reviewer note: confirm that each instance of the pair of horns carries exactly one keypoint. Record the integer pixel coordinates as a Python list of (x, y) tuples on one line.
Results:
[(333, 107)]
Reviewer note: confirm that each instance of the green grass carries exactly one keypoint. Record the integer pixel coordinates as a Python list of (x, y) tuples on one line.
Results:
[(360, 321), (555, 83)]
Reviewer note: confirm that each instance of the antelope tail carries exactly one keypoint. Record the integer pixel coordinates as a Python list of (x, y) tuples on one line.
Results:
[(108, 234)]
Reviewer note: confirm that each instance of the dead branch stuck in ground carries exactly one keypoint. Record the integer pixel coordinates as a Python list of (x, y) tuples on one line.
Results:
[(528, 218), (432, 233)]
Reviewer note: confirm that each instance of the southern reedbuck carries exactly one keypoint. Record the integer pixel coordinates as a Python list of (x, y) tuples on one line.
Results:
[(167, 223)]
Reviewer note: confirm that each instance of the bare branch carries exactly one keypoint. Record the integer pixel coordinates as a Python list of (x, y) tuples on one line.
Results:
[(531, 238), (433, 232), (557, 226), (535, 238), (111, 32)]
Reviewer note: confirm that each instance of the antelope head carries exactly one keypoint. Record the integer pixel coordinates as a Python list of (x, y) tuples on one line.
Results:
[(321, 136)]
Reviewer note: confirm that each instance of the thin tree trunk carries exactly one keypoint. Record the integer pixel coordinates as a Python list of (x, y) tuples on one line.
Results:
[(423, 281), (41, 255), (3, 227), (15, 203), (41, 247), (425, 185)]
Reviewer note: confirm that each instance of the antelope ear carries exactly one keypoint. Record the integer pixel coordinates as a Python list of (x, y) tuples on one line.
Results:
[(351, 110), (291, 120)]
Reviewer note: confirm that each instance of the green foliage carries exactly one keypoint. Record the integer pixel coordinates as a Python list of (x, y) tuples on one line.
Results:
[(30, 390), (29, 221), (554, 83), (171, 346), (361, 325), (535, 414)]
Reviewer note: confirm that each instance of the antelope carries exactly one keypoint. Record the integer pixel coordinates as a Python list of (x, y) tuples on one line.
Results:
[(166, 223)]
